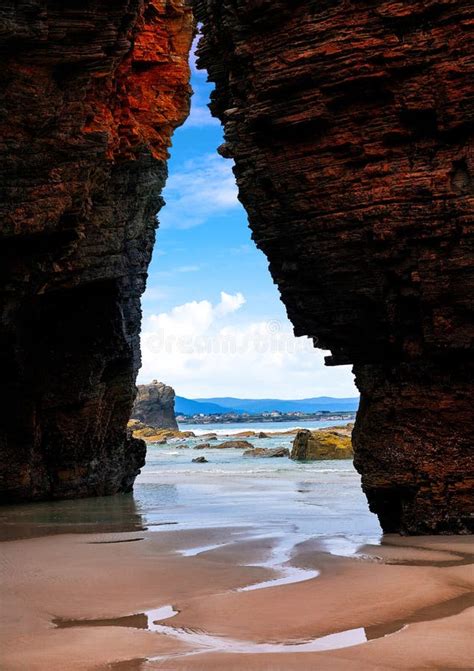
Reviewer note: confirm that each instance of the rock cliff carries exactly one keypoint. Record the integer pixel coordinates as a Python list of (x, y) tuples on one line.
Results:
[(92, 94), (154, 405), (350, 127)]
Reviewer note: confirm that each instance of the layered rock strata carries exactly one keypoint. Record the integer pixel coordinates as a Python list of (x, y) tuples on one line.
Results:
[(350, 126), (154, 405), (92, 94)]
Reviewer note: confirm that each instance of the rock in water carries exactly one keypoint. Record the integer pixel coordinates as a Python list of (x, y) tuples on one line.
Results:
[(267, 452), (203, 446), (200, 460), (92, 93), (154, 405), (235, 444), (322, 444), (152, 434), (350, 127)]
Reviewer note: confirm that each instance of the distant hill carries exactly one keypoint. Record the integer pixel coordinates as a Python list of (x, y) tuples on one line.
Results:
[(186, 406), (283, 405), (209, 406)]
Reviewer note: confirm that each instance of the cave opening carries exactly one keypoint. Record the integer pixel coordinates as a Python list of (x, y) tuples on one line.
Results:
[(347, 125)]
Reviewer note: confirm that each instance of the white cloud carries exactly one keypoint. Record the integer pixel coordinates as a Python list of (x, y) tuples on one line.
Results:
[(205, 349), (229, 303), (203, 187)]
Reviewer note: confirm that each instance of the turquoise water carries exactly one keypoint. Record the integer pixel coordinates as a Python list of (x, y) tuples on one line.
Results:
[(274, 496), (175, 459)]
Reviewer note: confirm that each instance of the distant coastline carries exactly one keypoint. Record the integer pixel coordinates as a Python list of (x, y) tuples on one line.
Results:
[(266, 418)]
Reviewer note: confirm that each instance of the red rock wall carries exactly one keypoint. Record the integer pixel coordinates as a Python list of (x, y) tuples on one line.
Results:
[(350, 124), (92, 94)]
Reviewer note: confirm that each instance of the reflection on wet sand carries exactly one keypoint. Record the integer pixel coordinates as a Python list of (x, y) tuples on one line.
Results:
[(83, 516), (203, 642)]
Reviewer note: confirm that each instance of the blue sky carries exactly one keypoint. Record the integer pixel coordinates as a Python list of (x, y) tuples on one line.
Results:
[(213, 323)]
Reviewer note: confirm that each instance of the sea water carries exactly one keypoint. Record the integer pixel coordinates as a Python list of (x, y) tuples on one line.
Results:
[(274, 496)]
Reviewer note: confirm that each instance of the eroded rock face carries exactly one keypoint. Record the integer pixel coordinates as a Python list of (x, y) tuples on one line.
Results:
[(92, 94), (154, 405), (349, 126)]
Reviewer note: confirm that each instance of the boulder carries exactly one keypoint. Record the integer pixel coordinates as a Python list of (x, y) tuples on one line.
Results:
[(200, 460), (235, 444), (333, 443), (202, 446), (263, 452)]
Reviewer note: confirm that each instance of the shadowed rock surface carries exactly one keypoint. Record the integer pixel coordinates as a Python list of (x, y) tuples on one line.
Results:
[(350, 127), (92, 93), (154, 405)]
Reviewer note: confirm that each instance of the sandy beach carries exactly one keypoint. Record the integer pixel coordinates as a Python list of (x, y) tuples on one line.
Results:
[(91, 601)]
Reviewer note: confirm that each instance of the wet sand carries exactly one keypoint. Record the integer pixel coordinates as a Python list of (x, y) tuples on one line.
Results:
[(175, 599)]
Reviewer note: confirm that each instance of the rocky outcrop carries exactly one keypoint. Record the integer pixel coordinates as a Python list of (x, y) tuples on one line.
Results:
[(322, 444), (203, 446), (267, 452), (349, 124), (154, 405), (151, 434), (234, 444), (92, 93)]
